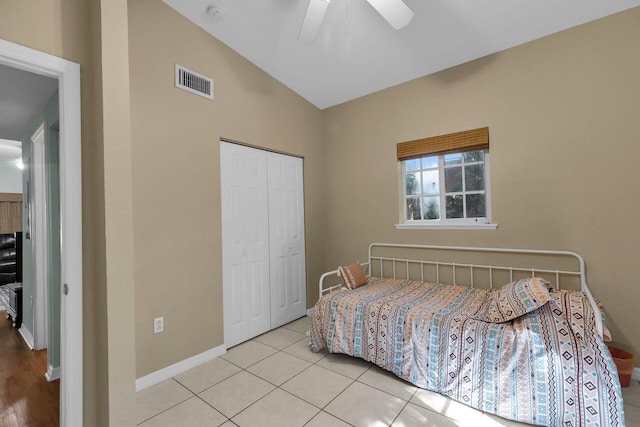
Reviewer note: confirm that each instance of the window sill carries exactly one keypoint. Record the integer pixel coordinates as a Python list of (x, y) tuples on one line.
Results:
[(447, 226)]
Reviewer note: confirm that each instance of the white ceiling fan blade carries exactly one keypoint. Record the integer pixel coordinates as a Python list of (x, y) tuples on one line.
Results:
[(396, 12), (312, 21)]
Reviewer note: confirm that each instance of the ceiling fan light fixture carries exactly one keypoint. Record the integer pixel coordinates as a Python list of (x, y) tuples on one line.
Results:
[(313, 21), (395, 12)]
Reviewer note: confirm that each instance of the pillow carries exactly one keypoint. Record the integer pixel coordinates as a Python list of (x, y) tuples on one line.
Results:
[(353, 275), (514, 300)]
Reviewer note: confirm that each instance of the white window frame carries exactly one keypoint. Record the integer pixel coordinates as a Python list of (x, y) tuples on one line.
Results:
[(484, 223)]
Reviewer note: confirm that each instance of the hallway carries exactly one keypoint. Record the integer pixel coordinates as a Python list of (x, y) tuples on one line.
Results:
[(26, 398)]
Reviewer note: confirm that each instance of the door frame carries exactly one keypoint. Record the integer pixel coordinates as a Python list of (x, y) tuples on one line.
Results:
[(71, 343), (240, 252), (39, 238)]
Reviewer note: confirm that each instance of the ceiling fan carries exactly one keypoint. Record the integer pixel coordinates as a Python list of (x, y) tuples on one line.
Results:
[(395, 12)]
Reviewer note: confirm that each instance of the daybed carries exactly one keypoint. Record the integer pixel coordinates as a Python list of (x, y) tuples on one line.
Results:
[(506, 340)]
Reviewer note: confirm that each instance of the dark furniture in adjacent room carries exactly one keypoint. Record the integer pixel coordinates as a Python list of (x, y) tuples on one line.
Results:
[(8, 259), (11, 276), (14, 311)]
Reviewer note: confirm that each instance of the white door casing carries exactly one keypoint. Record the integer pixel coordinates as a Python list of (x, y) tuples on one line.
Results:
[(286, 238), (71, 341), (39, 239), (263, 248)]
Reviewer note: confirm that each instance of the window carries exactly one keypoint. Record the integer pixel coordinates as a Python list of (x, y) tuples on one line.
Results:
[(448, 186)]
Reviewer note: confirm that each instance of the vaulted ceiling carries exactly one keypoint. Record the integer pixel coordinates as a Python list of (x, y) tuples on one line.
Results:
[(357, 52)]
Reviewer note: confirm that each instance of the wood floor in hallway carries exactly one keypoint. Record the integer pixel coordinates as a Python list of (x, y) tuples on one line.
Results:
[(26, 397)]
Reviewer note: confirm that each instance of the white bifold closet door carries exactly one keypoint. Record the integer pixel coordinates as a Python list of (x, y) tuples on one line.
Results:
[(264, 280)]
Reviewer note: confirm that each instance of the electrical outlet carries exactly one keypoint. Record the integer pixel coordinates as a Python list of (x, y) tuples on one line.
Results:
[(158, 325)]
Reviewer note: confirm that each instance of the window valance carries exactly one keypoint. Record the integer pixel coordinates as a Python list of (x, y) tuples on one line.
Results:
[(468, 140)]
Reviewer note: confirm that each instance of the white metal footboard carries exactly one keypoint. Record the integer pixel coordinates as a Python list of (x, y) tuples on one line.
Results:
[(394, 267)]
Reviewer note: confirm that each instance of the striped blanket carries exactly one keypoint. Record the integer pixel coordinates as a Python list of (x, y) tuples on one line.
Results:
[(525, 352)]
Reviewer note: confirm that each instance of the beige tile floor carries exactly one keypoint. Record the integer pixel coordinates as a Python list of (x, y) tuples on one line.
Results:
[(276, 380)]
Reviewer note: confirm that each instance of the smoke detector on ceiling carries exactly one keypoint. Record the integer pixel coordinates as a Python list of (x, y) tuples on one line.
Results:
[(215, 13)]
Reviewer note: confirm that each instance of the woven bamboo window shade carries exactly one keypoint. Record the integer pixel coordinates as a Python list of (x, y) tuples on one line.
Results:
[(468, 140)]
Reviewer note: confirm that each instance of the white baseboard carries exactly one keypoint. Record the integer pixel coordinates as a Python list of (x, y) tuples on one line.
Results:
[(52, 373), (310, 312), (178, 368), (636, 374), (27, 337)]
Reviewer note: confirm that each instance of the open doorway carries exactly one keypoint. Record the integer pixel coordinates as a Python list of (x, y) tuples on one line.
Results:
[(69, 226)]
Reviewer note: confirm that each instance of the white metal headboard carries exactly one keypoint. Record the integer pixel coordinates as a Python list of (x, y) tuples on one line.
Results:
[(402, 266)]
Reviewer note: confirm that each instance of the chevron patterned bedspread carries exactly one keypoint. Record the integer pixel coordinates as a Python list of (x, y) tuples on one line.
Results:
[(525, 352)]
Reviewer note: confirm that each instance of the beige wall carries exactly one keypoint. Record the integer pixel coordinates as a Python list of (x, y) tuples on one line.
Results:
[(563, 116), (72, 29), (39, 25), (176, 176)]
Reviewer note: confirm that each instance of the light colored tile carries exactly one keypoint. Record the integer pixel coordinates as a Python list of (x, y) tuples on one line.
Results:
[(302, 325), (302, 350), (229, 424), (208, 374), (631, 394), (317, 385), (280, 338), (351, 367), (387, 381), (248, 353), (326, 420), (236, 393), (277, 409), (463, 414), (445, 406), (631, 415), (362, 405), (279, 367), (414, 415), (158, 398), (192, 412)]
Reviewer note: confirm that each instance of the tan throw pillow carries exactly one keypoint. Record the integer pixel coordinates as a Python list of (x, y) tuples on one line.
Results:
[(353, 275)]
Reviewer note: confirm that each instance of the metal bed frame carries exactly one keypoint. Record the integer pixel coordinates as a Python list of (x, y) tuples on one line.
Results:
[(381, 262)]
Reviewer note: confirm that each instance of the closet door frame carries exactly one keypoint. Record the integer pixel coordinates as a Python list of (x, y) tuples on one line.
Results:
[(244, 283)]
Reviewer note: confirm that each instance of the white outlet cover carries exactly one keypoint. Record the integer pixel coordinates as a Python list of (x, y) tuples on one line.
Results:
[(158, 325)]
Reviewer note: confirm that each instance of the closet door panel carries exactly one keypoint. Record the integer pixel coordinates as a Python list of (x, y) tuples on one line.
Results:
[(286, 238), (245, 242)]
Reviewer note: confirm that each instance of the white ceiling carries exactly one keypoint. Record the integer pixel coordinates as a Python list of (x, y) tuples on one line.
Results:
[(22, 96), (358, 53)]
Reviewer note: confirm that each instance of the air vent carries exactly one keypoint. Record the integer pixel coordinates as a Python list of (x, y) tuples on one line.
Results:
[(194, 82)]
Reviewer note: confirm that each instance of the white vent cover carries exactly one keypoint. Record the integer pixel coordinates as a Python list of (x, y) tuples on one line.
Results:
[(194, 82)]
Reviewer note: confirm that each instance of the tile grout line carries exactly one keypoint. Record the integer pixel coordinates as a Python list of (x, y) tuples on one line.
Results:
[(172, 406), (289, 379)]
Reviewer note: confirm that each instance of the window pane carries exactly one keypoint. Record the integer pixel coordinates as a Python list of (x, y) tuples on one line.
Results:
[(412, 165), (431, 182), (452, 180), (454, 207), (474, 177), (412, 183), (431, 207), (474, 156), (476, 206), (429, 162), (453, 159), (413, 208)]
